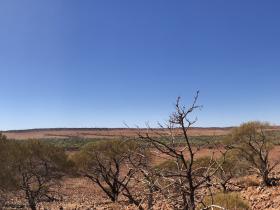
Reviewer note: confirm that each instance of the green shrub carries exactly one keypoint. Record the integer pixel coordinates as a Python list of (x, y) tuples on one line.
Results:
[(32, 167), (105, 163)]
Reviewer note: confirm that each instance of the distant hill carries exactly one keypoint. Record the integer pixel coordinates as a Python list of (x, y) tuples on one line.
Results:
[(97, 133), (102, 132)]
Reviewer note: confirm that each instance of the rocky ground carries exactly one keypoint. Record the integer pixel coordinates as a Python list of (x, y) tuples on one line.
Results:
[(262, 198), (81, 194)]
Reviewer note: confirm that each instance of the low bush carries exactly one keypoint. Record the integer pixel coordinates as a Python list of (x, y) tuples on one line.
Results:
[(229, 201)]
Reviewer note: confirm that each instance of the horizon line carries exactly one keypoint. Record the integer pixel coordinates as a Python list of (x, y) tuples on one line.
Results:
[(115, 128)]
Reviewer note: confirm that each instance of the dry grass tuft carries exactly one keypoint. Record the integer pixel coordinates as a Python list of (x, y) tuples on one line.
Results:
[(229, 201)]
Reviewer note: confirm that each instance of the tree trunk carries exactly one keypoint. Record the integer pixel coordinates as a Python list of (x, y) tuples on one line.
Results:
[(266, 180), (32, 204), (132, 199), (189, 201), (30, 199), (192, 201)]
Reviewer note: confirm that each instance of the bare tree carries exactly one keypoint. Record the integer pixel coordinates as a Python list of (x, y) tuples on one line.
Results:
[(185, 180), (111, 165), (253, 143), (145, 178)]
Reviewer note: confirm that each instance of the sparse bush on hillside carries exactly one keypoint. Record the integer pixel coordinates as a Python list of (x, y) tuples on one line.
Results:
[(253, 145), (230, 167), (111, 165), (33, 168)]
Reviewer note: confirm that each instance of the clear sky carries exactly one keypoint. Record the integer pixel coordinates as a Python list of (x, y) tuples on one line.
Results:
[(100, 63)]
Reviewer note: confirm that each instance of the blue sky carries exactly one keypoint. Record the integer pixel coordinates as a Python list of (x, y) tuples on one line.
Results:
[(100, 63)]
